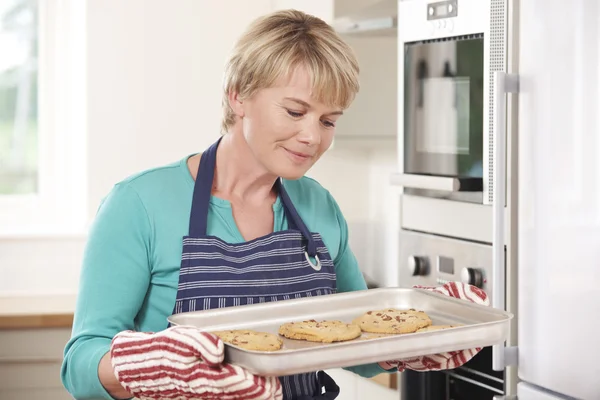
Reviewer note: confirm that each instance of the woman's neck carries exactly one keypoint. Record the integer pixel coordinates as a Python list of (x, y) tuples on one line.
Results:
[(239, 176)]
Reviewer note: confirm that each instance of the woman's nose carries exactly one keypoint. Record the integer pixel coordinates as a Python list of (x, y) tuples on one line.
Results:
[(310, 134)]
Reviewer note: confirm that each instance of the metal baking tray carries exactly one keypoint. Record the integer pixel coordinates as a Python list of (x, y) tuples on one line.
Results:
[(481, 326)]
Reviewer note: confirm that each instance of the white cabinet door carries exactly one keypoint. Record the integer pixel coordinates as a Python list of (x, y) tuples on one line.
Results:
[(35, 394), (30, 362), (373, 114), (559, 196)]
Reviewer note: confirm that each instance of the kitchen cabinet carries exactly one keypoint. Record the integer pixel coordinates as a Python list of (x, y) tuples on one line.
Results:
[(30, 361), (33, 334)]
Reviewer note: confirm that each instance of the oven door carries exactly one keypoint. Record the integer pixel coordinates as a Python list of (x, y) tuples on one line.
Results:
[(443, 118), (474, 380)]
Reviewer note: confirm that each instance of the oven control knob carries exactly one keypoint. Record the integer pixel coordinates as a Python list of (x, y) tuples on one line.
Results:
[(418, 265), (472, 276)]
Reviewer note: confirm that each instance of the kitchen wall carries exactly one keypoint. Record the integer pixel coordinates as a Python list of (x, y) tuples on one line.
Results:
[(154, 89)]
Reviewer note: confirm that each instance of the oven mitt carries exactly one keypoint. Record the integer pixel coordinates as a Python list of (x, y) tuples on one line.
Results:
[(183, 363), (453, 359)]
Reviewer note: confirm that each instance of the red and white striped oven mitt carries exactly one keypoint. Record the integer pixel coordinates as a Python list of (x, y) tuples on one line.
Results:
[(453, 359), (183, 363)]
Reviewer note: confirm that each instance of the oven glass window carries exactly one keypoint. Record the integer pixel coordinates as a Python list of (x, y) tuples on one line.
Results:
[(443, 107)]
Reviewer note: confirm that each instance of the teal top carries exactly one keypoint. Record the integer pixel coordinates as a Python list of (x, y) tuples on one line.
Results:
[(131, 263)]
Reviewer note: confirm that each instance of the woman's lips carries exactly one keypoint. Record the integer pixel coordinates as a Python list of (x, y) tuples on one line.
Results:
[(298, 156)]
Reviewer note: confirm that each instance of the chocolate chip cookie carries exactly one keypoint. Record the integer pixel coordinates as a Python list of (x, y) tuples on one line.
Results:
[(251, 340), (320, 331), (393, 321)]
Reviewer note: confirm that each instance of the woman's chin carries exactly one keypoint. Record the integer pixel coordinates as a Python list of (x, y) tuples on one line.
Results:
[(291, 177), (290, 173)]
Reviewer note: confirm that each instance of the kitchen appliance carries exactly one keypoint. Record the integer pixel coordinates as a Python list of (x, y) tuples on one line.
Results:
[(449, 52), (552, 213), (559, 200), (457, 154), (432, 260)]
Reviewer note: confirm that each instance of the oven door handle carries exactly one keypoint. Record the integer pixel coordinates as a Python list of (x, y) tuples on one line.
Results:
[(428, 182), (503, 83)]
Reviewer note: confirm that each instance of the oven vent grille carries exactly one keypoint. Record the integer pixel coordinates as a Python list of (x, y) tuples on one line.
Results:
[(498, 24), (448, 39)]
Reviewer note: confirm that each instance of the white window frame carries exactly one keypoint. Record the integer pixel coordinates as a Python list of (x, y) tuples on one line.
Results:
[(60, 205)]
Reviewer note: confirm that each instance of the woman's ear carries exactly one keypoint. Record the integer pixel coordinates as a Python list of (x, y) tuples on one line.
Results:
[(236, 104)]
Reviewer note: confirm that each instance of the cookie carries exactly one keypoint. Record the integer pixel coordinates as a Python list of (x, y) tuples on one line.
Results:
[(320, 331), (436, 328), (251, 340), (393, 321)]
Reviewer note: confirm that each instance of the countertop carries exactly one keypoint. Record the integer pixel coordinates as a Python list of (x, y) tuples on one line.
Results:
[(27, 312), (56, 311)]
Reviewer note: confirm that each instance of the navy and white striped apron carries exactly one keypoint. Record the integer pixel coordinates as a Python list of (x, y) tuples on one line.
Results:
[(282, 265)]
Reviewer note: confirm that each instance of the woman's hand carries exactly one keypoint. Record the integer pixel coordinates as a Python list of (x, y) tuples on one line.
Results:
[(453, 359), (182, 362)]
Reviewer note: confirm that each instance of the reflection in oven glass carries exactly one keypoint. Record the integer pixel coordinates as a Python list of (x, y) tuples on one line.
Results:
[(443, 107), (460, 389)]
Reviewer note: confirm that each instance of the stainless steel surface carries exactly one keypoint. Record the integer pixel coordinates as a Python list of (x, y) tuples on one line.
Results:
[(483, 327), (436, 213), (503, 84), (465, 196), (446, 217), (512, 204), (448, 9), (487, 17), (496, 63), (426, 182), (464, 254)]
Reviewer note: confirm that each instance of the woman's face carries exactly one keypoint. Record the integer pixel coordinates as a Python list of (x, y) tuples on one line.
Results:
[(285, 127)]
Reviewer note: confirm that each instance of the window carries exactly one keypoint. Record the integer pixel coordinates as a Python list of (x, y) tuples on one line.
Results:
[(42, 116), (18, 97)]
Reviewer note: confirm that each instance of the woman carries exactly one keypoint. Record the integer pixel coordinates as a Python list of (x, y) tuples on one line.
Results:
[(254, 229)]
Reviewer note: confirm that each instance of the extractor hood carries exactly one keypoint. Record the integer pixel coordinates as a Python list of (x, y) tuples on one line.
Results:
[(378, 19)]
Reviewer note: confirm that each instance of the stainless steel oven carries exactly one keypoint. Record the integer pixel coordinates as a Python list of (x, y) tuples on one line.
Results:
[(450, 113), (457, 153), (473, 381), (443, 118), (432, 260)]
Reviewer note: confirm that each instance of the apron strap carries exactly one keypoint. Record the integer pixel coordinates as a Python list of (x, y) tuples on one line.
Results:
[(201, 199), (202, 191), (294, 220)]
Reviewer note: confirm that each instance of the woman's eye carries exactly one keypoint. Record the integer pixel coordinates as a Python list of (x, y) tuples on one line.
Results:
[(294, 114), (328, 124)]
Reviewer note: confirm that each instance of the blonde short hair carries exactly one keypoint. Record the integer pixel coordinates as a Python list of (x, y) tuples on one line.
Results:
[(273, 45)]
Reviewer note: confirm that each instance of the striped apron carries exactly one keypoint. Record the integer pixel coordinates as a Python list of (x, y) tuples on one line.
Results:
[(283, 265)]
